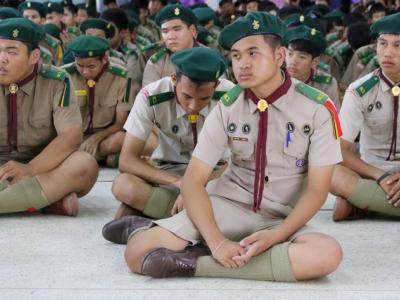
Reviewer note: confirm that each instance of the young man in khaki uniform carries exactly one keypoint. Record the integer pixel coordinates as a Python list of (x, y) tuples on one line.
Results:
[(370, 105), (40, 129), (305, 46), (283, 136), (178, 106), (104, 96), (178, 29)]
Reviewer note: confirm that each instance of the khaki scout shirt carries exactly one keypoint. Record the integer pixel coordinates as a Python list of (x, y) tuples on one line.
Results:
[(236, 127), (154, 71), (175, 132), (326, 83), (110, 95), (372, 114), (40, 116)]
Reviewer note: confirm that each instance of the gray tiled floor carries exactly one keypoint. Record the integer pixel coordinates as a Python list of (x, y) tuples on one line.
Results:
[(54, 257)]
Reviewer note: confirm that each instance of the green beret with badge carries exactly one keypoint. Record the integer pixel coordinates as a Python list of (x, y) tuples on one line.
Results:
[(204, 14), (388, 24), (21, 29), (90, 9), (97, 23), (254, 23), (212, 65), (39, 7), (312, 35), (54, 7), (9, 12), (175, 11), (89, 46), (295, 20), (52, 29)]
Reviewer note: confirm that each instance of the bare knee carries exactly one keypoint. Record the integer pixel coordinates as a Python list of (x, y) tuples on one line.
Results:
[(113, 143), (84, 170), (125, 187), (343, 181), (136, 249)]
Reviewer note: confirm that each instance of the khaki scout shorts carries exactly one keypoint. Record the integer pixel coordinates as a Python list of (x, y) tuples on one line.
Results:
[(235, 221)]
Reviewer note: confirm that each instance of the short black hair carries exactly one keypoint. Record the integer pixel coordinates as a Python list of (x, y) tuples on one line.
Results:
[(72, 8), (376, 7), (305, 46), (358, 35), (179, 75), (273, 41), (117, 16), (352, 18), (288, 10)]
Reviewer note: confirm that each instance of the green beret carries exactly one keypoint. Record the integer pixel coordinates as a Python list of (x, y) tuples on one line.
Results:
[(204, 14), (175, 11), (212, 65), (254, 23), (9, 12), (89, 46), (39, 7), (299, 19), (97, 23), (21, 29), (54, 7), (334, 15), (52, 29), (90, 9), (388, 24), (314, 36)]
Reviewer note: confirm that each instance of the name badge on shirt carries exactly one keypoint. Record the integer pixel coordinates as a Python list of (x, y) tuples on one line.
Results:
[(80, 93), (240, 139)]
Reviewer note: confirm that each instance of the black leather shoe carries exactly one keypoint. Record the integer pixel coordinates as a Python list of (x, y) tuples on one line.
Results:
[(118, 231), (162, 262)]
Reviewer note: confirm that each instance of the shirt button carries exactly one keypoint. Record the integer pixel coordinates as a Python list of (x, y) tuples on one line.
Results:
[(266, 178)]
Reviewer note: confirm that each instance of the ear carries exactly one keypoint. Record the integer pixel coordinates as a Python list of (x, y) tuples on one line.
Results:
[(193, 31), (280, 55), (315, 62), (34, 56)]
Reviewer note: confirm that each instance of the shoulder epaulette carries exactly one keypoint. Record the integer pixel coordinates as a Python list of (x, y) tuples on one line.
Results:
[(52, 42), (53, 73), (117, 71), (72, 30), (344, 49), (311, 93), (70, 68), (324, 79), (332, 37), (218, 94), (209, 39), (229, 97), (160, 98), (128, 51), (366, 52), (324, 66), (156, 56), (329, 51), (367, 85), (367, 58), (46, 56), (323, 99), (64, 101), (149, 47)]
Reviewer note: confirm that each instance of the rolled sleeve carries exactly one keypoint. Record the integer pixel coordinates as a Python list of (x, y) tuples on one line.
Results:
[(140, 119), (324, 147), (213, 140), (351, 115)]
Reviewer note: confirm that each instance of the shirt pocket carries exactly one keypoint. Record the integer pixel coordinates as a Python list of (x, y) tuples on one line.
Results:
[(105, 113), (40, 130), (3, 129), (242, 149), (379, 126), (296, 156)]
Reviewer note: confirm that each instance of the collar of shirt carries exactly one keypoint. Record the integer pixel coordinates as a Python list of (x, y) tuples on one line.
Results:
[(180, 112), (27, 88), (384, 86)]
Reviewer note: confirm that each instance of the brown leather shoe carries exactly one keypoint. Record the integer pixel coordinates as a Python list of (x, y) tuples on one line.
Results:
[(67, 206), (126, 210), (162, 262), (343, 210), (118, 231)]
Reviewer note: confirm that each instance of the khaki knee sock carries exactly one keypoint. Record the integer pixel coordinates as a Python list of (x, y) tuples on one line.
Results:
[(25, 195), (272, 265), (370, 196), (160, 203)]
